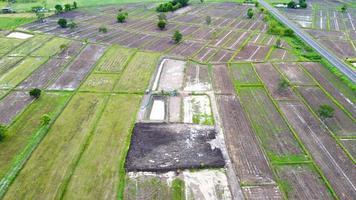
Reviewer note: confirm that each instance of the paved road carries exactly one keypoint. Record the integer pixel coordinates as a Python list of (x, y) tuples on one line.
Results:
[(308, 39)]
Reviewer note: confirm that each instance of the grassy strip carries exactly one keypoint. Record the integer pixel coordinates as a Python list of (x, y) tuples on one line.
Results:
[(10, 23), (178, 189)]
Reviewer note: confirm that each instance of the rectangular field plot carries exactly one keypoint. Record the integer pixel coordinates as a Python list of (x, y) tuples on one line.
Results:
[(162, 44), (221, 56), (6, 63), (341, 124), (271, 78), (350, 145), (99, 82), (274, 134), (235, 42), (44, 74), (80, 67), (172, 75), (341, 92), (161, 147), (204, 54), (327, 154), (243, 73), (294, 73), (20, 72), (197, 77), (30, 45), (53, 160), (21, 132), (342, 48), (137, 74), (247, 158), (282, 54), (12, 104), (186, 48), (7, 44), (105, 154), (71, 50), (252, 52), (221, 80), (303, 182), (114, 59), (51, 47)]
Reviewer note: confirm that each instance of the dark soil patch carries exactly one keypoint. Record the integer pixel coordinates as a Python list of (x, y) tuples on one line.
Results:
[(163, 147), (13, 104)]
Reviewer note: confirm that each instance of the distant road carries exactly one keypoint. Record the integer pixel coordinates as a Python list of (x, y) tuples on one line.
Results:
[(308, 39)]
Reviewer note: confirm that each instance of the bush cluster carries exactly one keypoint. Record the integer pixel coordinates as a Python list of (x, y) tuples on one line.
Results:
[(67, 7), (172, 5), (121, 17)]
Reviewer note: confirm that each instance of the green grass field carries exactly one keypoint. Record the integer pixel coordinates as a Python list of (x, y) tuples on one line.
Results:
[(99, 82), (30, 45), (138, 73), (51, 47), (52, 162), (12, 78), (244, 74), (22, 133), (9, 23), (7, 62), (110, 140), (7, 44), (114, 59)]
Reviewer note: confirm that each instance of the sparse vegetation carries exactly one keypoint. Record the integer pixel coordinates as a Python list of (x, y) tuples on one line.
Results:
[(103, 29), (171, 5), (325, 111), (208, 20), (278, 43), (67, 7), (343, 8), (72, 25), (178, 188), (45, 119), (162, 16), (283, 84)]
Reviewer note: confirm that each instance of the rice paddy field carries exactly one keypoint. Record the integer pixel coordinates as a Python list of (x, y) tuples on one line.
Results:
[(223, 114)]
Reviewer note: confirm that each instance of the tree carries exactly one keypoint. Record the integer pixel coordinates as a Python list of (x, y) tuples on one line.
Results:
[(3, 130), (292, 4), (58, 8), (201, 1), (161, 24), (75, 5), (45, 119), (62, 23), (278, 43), (288, 32), (177, 37), (40, 16), (67, 7), (36, 93), (181, 2), (162, 16), (325, 111), (283, 84), (121, 17), (208, 20), (103, 29), (257, 4), (250, 13), (303, 4), (343, 8)]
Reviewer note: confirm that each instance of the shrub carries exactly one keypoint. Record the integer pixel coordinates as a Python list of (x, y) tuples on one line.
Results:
[(303, 4), (162, 16), (62, 23), (72, 25), (278, 43), (121, 17), (283, 84), (103, 30), (165, 7), (292, 4), (67, 7), (257, 4), (343, 8), (75, 5), (181, 2), (249, 13), (40, 16), (177, 37), (36, 93), (45, 119), (208, 20), (288, 32), (325, 111), (161, 24), (3, 130), (58, 8)]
